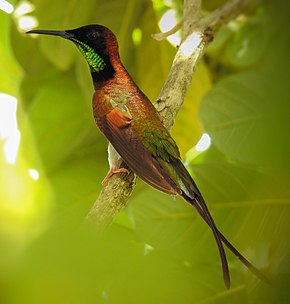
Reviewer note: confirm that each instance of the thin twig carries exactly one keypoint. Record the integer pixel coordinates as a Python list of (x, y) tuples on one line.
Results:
[(164, 35)]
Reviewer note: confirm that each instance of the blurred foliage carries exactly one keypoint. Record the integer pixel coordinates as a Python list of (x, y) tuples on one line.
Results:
[(158, 250)]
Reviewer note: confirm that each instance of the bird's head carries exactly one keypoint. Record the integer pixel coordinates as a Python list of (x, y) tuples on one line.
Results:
[(96, 42)]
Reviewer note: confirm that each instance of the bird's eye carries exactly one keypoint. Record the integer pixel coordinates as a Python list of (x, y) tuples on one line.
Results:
[(93, 35)]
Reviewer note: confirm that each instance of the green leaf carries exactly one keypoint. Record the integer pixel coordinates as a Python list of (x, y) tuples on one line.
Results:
[(60, 119), (247, 114), (63, 15), (247, 46), (244, 121)]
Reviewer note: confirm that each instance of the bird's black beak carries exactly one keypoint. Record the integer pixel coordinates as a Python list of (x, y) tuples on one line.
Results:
[(63, 34)]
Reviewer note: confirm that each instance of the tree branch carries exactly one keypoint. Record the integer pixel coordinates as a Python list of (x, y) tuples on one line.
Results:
[(197, 34), (112, 199)]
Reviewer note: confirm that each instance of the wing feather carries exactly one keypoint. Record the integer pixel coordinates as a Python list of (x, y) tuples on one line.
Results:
[(117, 127)]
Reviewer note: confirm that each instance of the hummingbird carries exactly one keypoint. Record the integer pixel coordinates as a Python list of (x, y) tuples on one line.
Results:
[(135, 130)]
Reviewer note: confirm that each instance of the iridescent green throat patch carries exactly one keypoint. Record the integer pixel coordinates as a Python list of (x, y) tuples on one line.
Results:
[(95, 62)]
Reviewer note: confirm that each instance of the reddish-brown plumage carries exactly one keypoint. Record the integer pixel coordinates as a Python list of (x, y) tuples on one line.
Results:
[(122, 85), (118, 126)]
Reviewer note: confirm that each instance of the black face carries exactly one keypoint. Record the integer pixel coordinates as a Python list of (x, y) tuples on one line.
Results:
[(92, 35), (91, 41)]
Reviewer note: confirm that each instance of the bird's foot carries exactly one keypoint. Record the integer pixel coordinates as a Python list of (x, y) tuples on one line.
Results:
[(111, 173)]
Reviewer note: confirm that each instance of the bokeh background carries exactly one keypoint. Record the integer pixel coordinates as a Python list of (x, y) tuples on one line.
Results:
[(232, 130)]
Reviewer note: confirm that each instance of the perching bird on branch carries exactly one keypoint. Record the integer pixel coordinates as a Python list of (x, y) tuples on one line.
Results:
[(134, 128)]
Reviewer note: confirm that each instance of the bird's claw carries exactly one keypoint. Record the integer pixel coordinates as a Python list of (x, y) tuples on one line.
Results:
[(111, 173)]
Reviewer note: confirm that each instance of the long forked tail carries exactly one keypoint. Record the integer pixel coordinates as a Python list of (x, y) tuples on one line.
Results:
[(202, 209), (200, 206)]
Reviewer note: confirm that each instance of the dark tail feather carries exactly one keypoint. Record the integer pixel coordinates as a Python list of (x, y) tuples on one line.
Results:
[(249, 265), (206, 217), (194, 197), (204, 213)]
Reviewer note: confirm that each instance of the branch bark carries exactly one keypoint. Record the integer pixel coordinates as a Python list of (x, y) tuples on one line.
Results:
[(197, 34)]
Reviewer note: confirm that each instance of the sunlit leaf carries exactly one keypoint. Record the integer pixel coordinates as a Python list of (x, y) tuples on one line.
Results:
[(60, 119), (9, 80)]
